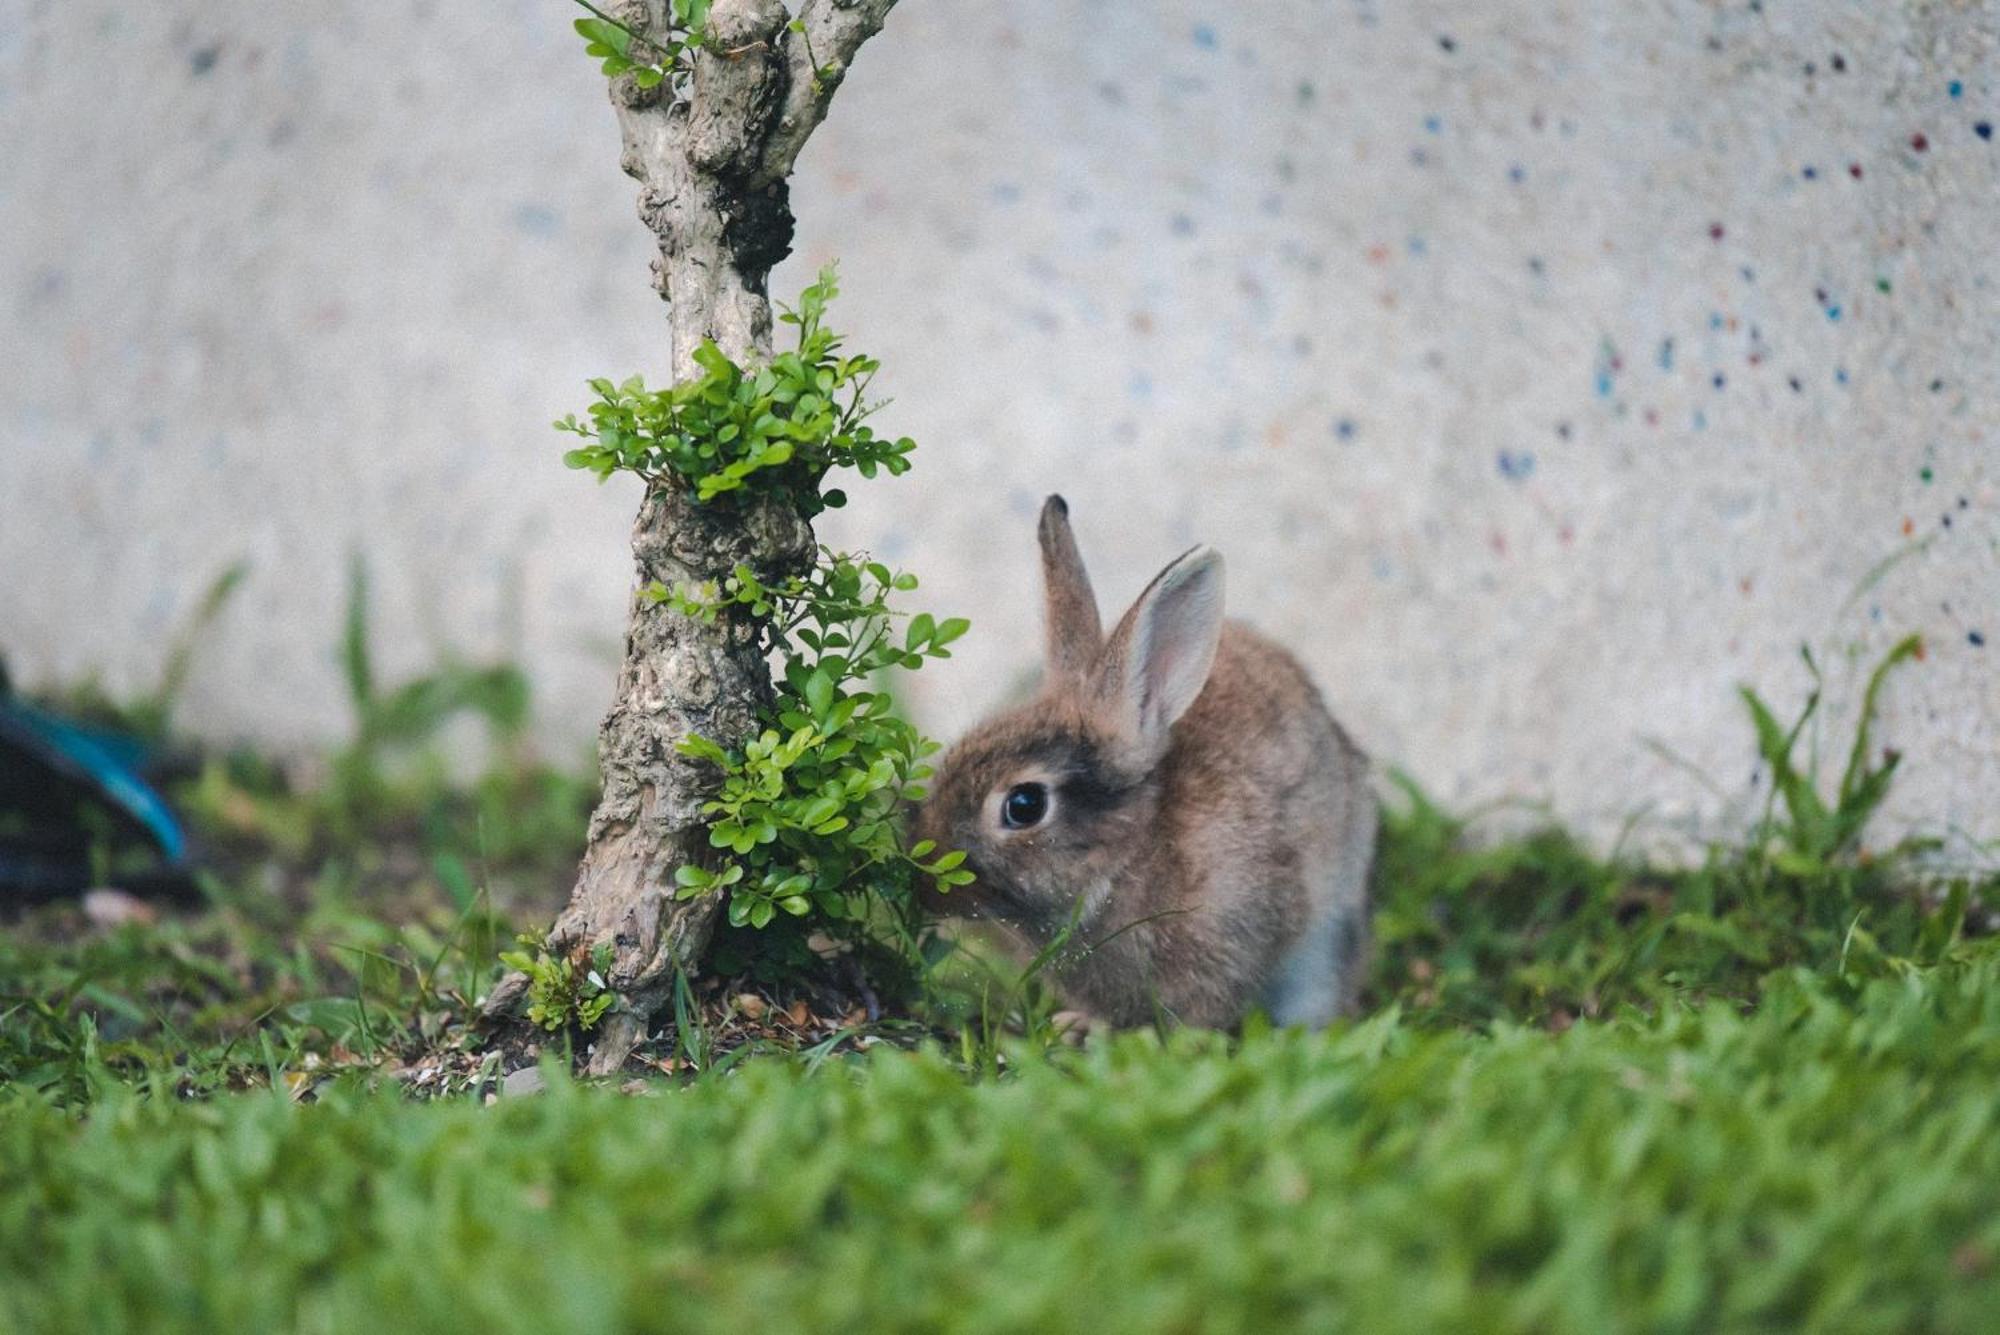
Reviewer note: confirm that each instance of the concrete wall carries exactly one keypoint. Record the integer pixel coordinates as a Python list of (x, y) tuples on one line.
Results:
[(1543, 369)]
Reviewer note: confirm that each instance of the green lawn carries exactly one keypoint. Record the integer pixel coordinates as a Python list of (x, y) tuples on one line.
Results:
[(1831, 1160)]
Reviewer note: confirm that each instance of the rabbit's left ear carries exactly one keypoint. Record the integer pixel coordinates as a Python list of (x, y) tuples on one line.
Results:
[(1158, 659), (1071, 635)]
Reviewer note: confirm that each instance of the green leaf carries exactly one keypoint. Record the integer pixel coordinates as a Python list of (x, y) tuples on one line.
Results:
[(605, 34), (711, 359), (819, 693), (694, 744), (355, 658), (1857, 773)]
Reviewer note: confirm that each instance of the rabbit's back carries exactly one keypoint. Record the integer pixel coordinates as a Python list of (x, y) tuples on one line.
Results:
[(1268, 818)]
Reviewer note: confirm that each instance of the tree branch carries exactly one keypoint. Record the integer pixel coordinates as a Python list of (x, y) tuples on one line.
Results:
[(833, 31)]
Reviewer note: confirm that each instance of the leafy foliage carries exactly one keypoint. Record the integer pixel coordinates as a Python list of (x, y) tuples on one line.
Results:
[(651, 60), (807, 815), (1815, 832), (777, 429), (559, 995)]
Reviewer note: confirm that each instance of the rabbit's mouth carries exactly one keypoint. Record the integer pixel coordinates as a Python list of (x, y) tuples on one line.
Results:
[(983, 899), (996, 901)]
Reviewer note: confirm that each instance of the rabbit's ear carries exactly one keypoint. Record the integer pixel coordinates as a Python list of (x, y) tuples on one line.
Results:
[(1070, 627), (1159, 657)]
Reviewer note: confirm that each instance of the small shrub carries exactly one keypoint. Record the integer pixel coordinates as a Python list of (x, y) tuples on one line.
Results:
[(806, 819), (558, 995)]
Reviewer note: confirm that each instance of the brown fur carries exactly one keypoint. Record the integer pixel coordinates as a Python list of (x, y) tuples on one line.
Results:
[(1211, 859)]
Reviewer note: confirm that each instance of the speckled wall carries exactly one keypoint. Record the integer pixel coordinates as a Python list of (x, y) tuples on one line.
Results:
[(1543, 369)]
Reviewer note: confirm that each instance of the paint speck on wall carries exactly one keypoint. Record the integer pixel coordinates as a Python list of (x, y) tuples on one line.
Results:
[(537, 220)]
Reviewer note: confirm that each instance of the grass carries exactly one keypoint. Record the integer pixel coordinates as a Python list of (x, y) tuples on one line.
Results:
[(1831, 1160), (1591, 1094)]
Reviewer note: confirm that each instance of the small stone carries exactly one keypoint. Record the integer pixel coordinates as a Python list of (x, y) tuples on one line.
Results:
[(109, 908), (527, 1080)]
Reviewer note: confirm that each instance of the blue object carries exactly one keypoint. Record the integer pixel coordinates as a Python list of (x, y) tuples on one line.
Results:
[(52, 769)]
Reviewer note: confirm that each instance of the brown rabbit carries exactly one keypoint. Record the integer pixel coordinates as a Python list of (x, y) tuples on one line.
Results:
[(1178, 798)]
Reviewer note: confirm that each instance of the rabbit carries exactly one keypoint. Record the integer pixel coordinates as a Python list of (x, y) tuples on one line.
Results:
[(1177, 799)]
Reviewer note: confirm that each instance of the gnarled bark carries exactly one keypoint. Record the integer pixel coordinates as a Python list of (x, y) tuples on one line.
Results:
[(712, 169)]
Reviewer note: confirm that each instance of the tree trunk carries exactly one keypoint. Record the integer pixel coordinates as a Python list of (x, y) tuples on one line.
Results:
[(712, 167)]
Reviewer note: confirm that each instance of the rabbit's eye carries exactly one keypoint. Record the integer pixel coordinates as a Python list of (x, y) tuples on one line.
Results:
[(1025, 805)]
